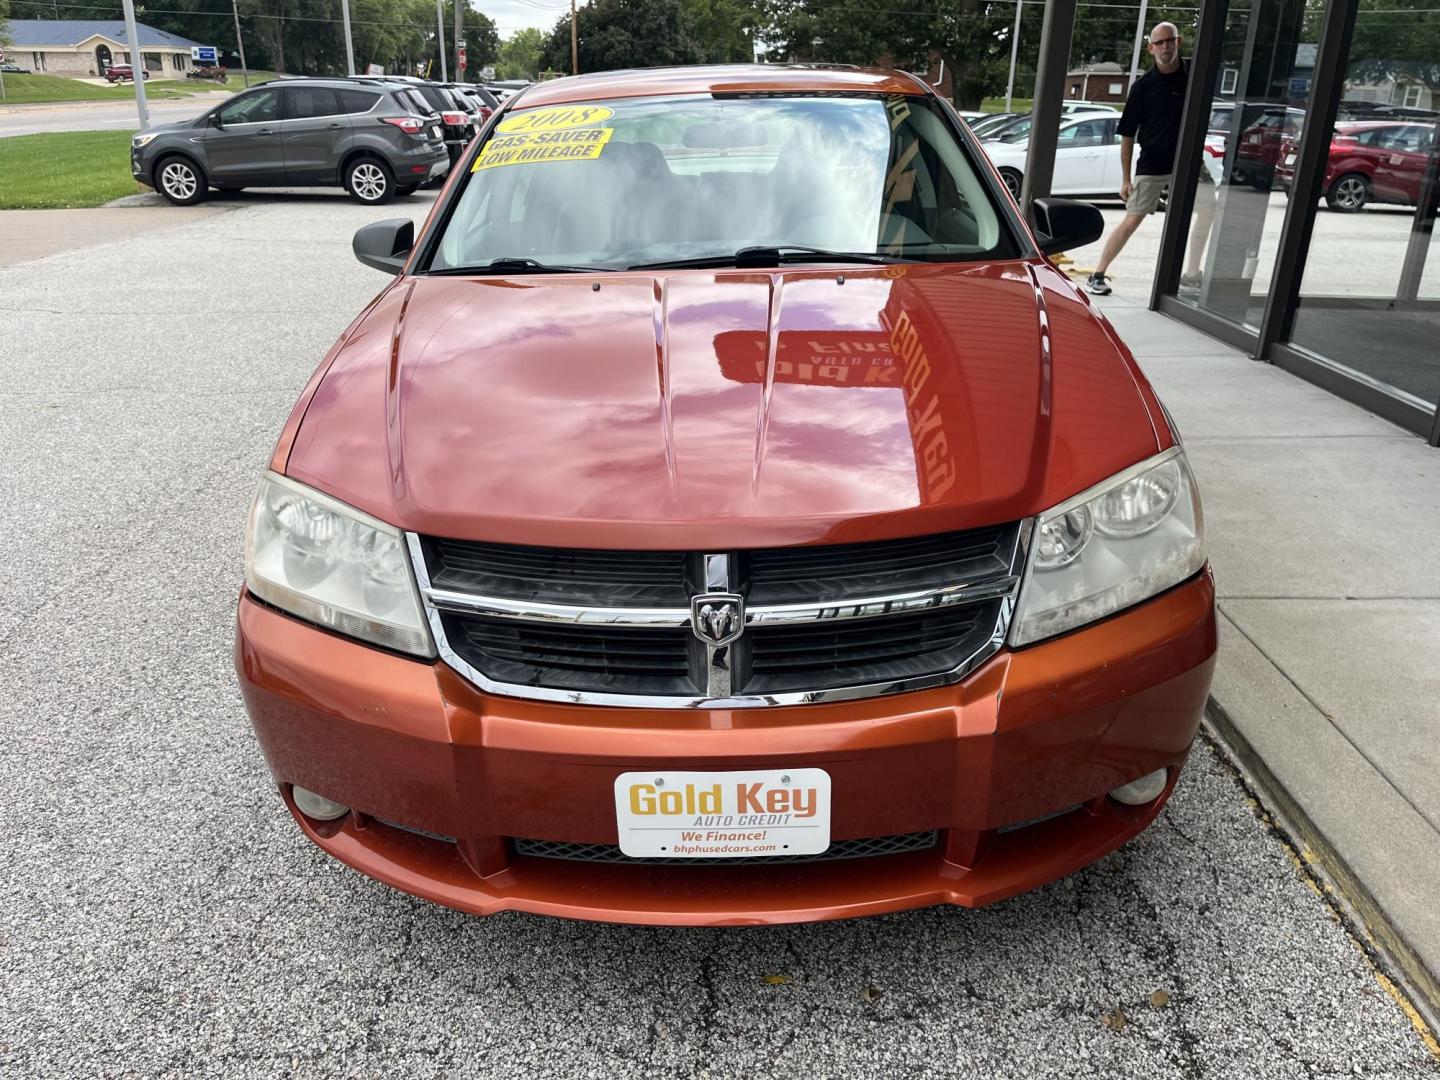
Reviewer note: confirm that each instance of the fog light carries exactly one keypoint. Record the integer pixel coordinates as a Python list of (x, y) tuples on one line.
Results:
[(1136, 793), (317, 806)]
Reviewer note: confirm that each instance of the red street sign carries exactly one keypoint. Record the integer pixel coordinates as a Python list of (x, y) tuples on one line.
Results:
[(462, 57)]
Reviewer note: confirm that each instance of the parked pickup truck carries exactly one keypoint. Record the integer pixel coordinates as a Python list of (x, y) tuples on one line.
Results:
[(120, 73)]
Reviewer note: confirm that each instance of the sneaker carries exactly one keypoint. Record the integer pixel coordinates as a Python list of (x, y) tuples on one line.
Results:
[(1097, 284)]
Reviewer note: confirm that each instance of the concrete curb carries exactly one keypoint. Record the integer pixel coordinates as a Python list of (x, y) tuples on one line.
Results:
[(1418, 984)]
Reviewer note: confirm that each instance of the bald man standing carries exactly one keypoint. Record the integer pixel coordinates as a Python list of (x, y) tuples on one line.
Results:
[(1152, 114)]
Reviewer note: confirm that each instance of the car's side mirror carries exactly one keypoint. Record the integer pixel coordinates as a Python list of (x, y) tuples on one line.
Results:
[(215, 120), (385, 245), (1063, 224)]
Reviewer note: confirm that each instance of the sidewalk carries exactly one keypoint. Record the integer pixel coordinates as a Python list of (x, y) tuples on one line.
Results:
[(1323, 525)]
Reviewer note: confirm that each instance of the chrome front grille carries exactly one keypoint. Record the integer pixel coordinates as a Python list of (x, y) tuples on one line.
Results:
[(732, 629)]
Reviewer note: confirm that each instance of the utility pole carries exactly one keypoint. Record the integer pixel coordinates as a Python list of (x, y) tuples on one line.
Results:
[(349, 48), (244, 71), (574, 43), (440, 30), (1014, 50), (1139, 39), (459, 34), (137, 65)]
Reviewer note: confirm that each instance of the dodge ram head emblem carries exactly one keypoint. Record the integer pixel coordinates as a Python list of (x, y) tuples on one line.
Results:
[(717, 618)]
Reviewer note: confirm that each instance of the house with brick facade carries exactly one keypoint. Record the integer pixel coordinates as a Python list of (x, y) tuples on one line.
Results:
[(84, 47)]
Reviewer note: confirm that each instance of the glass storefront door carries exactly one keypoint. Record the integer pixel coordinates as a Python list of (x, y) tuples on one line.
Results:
[(1262, 98)]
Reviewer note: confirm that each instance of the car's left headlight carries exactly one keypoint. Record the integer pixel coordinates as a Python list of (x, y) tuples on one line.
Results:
[(331, 564), (141, 140), (1121, 542)]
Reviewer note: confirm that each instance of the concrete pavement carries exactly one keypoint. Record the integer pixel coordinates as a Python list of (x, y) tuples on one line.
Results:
[(26, 235), (1323, 523)]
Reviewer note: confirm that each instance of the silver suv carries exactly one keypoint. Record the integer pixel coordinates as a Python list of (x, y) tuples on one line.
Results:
[(374, 140)]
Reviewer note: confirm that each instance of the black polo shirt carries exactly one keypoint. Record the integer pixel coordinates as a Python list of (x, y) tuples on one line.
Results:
[(1152, 113)]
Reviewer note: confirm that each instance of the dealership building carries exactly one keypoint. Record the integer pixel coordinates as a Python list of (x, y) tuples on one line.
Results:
[(1320, 257), (79, 48)]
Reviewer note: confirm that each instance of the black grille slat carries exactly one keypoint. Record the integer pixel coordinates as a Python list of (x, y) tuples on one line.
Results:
[(827, 573), (594, 578), (618, 660), (865, 848), (818, 656)]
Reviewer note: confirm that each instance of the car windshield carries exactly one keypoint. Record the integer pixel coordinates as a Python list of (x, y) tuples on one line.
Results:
[(655, 181), (1017, 132)]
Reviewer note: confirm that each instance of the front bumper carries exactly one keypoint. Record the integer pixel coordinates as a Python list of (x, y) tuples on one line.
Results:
[(412, 746)]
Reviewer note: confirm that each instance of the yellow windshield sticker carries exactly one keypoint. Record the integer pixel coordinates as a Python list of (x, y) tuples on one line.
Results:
[(528, 149), (571, 116)]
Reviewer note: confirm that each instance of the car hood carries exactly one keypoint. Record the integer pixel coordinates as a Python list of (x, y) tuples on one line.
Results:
[(177, 128), (729, 408)]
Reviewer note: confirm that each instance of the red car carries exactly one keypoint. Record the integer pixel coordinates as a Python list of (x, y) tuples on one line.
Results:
[(726, 515), (1371, 161), (1262, 145), (121, 73)]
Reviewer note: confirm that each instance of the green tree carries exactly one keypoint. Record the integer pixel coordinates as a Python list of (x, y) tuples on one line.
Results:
[(725, 29), (520, 55), (652, 33), (972, 37), (1397, 39)]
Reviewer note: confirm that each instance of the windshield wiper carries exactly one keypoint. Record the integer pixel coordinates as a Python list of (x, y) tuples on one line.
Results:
[(514, 265), (764, 256)]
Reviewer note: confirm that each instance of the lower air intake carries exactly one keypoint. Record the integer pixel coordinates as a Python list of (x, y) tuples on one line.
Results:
[(866, 848)]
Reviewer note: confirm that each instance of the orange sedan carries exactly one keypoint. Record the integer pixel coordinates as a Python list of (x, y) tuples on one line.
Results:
[(726, 515)]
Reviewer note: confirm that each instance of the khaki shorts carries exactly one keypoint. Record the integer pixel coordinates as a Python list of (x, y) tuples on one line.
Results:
[(1145, 195)]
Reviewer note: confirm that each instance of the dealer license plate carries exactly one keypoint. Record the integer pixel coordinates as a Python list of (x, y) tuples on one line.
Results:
[(723, 815), (435, 132), (1289, 159)]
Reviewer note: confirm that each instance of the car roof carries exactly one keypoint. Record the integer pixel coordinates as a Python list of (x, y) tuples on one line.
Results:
[(728, 78), (376, 82), (1371, 125)]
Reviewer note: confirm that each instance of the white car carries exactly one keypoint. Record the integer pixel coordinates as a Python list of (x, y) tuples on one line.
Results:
[(1087, 156)]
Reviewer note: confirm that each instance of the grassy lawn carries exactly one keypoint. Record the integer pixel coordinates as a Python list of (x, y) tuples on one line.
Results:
[(997, 104), (65, 169), (37, 89)]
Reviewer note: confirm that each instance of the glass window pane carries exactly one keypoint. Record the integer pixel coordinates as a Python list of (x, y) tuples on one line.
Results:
[(1268, 61), (1370, 293)]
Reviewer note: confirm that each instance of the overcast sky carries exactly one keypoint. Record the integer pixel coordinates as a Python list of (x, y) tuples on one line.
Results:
[(512, 15)]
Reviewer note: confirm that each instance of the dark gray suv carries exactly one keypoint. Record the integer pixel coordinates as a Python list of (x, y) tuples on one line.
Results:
[(374, 140)]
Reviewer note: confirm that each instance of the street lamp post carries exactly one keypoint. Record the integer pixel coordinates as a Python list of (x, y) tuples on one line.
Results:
[(137, 65), (1014, 51), (440, 31), (349, 48), (459, 35), (239, 42)]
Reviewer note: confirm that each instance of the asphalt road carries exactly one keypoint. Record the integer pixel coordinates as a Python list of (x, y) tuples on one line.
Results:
[(160, 915), (98, 116)]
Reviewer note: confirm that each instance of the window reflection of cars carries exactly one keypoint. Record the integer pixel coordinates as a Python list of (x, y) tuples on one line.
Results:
[(1260, 147), (1370, 162), (1087, 156)]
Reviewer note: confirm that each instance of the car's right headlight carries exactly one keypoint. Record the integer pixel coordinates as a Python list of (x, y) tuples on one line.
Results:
[(1134, 535), (331, 564)]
